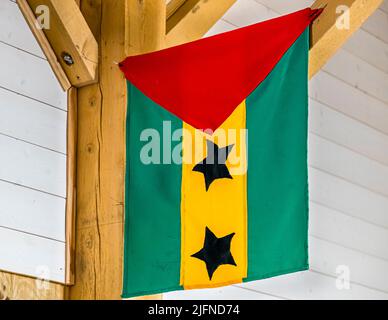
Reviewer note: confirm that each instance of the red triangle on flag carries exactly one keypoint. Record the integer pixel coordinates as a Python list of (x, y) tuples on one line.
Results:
[(203, 82)]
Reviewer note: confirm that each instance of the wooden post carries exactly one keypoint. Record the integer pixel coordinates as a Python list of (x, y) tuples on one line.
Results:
[(71, 163), (100, 161), (101, 143), (145, 26)]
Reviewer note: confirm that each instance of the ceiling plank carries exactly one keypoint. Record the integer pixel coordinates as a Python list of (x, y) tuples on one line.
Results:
[(326, 37), (193, 19), (70, 35)]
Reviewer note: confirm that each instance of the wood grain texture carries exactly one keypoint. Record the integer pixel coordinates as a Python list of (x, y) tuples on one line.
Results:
[(145, 26), (101, 157), (100, 161), (15, 287), (70, 34), (71, 191), (193, 19), (173, 6), (326, 38), (44, 44)]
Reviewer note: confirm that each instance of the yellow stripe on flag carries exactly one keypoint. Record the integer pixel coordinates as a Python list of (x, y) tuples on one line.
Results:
[(222, 209)]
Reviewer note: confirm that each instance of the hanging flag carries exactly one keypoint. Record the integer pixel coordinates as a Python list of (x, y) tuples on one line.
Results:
[(216, 166)]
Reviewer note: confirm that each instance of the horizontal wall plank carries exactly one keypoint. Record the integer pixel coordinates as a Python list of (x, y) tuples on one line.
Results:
[(283, 8), (347, 197), (32, 256), (311, 285), (369, 48), (32, 121), (220, 27), (32, 211), (384, 6), (326, 257), (247, 12), (349, 232), (31, 166), (30, 76), (345, 131), (350, 101), (226, 293), (14, 29), (349, 165), (359, 73), (377, 25)]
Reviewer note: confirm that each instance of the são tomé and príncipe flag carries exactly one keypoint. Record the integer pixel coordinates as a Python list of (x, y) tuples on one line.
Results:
[(216, 164)]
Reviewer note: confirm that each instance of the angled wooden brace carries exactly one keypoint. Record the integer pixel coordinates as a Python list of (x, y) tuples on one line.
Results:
[(66, 35), (330, 31)]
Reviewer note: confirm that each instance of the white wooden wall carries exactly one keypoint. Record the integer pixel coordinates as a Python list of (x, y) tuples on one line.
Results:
[(348, 156), (33, 122)]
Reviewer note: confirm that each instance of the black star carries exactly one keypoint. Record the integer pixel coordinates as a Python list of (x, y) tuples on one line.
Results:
[(215, 252), (213, 166)]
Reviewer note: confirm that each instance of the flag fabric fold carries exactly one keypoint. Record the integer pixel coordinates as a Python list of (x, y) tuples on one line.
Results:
[(216, 163)]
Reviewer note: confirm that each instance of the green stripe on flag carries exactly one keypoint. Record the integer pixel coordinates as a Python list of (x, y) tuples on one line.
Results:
[(277, 173), (153, 199)]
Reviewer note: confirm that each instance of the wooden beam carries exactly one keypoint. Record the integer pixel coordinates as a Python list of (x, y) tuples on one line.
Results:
[(16, 287), (100, 167), (326, 37), (44, 44), (173, 6), (193, 19), (70, 37), (71, 162), (145, 25), (101, 125)]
